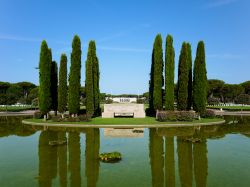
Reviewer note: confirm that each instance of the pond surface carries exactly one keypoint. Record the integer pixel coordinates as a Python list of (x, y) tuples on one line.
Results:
[(209, 156)]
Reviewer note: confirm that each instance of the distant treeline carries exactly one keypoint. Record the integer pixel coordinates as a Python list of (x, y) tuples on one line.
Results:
[(21, 92)]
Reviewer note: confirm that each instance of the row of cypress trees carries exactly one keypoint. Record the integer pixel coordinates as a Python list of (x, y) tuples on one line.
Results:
[(191, 87), (67, 96)]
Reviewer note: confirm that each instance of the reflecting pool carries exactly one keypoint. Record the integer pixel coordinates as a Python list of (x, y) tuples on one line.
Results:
[(193, 156)]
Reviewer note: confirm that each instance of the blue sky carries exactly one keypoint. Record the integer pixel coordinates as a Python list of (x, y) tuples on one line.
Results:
[(124, 31)]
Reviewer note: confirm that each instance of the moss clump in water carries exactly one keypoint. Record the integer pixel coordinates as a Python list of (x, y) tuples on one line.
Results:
[(110, 157)]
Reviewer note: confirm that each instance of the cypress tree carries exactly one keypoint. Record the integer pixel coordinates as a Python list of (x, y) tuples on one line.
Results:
[(44, 79), (182, 87), (74, 77), (89, 85), (158, 70), (96, 78), (62, 88), (54, 86), (151, 85), (190, 76), (169, 73), (200, 80)]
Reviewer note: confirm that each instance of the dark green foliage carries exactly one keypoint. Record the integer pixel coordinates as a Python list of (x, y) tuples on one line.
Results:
[(157, 71), (74, 77), (92, 81), (215, 87), (32, 95), (246, 86), (62, 88), (13, 94), (243, 99), (54, 86), (190, 76), (89, 83), (44, 78), (200, 80), (169, 73), (151, 85), (183, 72), (96, 78), (231, 91)]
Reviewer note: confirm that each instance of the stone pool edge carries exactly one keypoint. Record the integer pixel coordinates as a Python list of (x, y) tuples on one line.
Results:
[(122, 126)]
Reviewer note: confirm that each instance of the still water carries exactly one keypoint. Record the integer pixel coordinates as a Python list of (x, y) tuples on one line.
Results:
[(210, 156)]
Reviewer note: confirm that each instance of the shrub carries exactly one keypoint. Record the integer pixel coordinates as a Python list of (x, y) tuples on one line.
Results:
[(84, 117), (186, 115), (175, 116), (209, 114)]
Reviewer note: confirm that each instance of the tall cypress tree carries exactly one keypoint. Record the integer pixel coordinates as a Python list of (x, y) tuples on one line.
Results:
[(190, 76), (44, 79), (182, 87), (62, 88), (74, 77), (169, 73), (151, 85), (200, 80), (54, 86), (89, 84), (96, 78), (158, 70)]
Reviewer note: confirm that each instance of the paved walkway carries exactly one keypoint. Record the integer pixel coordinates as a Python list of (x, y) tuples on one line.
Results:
[(228, 113)]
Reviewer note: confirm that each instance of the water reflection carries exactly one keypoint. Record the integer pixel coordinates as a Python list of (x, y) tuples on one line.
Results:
[(178, 156)]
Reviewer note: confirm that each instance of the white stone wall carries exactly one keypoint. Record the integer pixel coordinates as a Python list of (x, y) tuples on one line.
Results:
[(110, 110)]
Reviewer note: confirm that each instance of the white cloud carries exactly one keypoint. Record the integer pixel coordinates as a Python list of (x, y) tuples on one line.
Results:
[(219, 3)]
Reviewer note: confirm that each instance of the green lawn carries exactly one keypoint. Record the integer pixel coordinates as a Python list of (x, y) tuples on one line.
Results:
[(232, 108), (127, 121)]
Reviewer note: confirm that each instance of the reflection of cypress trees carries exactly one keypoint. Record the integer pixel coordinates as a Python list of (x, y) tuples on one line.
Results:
[(169, 162), (200, 163), (92, 156), (184, 150), (47, 159), (156, 158), (62, 160), (74, 159)]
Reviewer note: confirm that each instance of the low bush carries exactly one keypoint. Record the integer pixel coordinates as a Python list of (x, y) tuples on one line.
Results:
[(209, 114), (67, 118), (176, 116)]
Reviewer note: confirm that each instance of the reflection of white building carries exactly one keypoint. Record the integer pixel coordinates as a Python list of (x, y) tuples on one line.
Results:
[(124, 133), (123, 99)]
